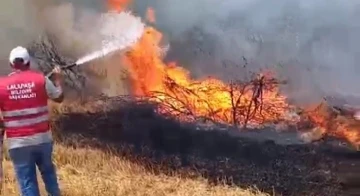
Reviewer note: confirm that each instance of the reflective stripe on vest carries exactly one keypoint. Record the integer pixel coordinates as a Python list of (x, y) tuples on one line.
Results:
[(23, 112), (35, 139), (26, 122)]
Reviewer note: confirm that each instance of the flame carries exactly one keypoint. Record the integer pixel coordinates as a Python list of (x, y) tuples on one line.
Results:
[(208, 98), (333, 124), (245, 103), (118, 5), (150, 15)]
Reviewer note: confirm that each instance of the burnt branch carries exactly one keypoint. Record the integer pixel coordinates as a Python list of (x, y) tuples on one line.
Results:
[(196, 101), (46, 55)]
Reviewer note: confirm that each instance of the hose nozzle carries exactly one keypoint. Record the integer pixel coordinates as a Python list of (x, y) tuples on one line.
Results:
[(63, 68)]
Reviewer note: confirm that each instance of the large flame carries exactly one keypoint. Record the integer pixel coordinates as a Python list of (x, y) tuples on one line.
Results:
[(118, 5), (256, 102), (209, 98)]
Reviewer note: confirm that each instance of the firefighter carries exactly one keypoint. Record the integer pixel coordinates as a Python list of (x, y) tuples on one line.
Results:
[(23, 102)]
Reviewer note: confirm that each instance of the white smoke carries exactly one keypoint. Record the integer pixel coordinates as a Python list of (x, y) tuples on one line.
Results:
[(90, 32), (118, 31)]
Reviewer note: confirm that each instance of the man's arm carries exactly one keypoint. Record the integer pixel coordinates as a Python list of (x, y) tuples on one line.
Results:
[(53, 91)]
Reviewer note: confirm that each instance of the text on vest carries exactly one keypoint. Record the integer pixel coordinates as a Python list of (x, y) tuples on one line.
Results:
[(21, 91)]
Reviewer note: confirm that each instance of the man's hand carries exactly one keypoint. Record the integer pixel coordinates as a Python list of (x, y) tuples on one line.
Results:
[(57, 74), (54, 85)]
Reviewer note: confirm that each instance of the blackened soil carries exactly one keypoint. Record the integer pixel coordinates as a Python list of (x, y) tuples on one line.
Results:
[(166, 146)]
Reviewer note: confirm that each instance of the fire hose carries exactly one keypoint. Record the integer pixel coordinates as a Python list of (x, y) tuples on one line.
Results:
[(118, 39), (65, 67)]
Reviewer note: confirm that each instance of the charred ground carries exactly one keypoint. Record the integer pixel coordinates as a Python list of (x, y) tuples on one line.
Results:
[(164, 145)]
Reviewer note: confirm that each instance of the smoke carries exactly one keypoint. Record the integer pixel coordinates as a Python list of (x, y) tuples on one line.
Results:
[(23, 21), (312, 44), (78, 27), (76, 24), (17, 28)]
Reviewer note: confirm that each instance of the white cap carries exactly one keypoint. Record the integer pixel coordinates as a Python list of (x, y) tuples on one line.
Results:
[(19, 52)]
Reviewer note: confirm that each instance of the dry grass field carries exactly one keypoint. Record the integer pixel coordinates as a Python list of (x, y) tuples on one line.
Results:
[(86, 171)]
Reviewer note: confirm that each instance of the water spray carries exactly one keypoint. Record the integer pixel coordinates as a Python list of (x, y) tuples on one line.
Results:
[(122, 30)]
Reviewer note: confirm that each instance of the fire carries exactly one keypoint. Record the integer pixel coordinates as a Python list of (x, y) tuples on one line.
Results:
[(208, 98), (256, 102), (330, 122), (150, 15), (118, 5)]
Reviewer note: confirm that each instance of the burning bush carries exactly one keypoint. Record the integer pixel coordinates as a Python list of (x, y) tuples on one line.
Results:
[(241, 102), (254, 102)]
